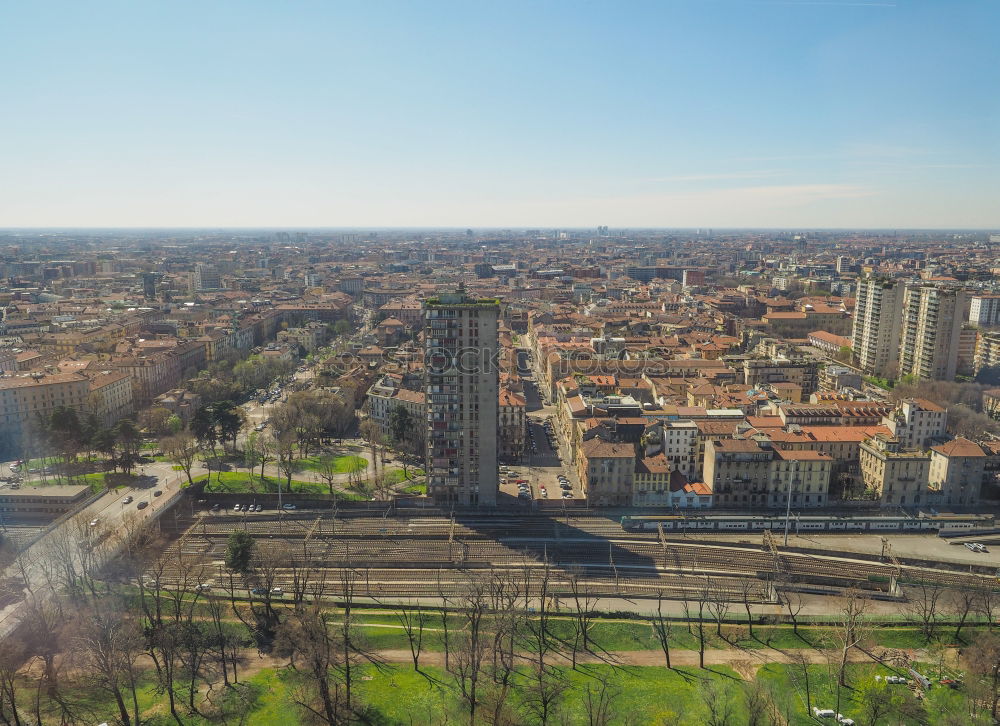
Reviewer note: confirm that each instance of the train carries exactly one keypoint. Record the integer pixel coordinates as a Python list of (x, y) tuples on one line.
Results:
[(808, 523)]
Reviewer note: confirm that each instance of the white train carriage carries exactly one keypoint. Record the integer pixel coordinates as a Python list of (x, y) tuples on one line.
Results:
[(806, 523)]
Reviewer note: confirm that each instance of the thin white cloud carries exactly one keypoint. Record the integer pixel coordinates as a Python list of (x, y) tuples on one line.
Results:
[(724, 176)]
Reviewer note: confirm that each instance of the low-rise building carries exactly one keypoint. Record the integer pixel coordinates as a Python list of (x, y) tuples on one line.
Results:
[(897, 477), (956, 472)]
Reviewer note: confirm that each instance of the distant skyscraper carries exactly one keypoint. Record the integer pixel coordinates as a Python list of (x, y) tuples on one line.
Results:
[(149, 280), (205, 277), (462, 387), (931, 336), (877, 325)]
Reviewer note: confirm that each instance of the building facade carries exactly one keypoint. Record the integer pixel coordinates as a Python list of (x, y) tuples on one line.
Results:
[(877, 325), (462, 388)]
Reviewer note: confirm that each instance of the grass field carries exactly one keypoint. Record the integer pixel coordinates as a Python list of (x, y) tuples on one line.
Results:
[(241, 482), (341, 464)]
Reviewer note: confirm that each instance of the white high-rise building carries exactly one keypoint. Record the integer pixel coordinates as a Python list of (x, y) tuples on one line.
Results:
[(462, 386), (877, 325), (984, 310), (930, 339)]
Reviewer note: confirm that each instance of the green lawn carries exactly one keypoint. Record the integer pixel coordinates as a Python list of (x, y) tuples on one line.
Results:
[(791, 681), (342, 464), (239, 482)]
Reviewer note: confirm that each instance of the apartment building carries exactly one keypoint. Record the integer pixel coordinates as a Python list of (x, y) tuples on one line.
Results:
[(930, 338), (737, 471), (916, 422), (896, 476), (462, 389), (26, 400), (987, 350), (956, 472), (606, 471), (513, 425), (804, 474), (984, 310), (877, 325)]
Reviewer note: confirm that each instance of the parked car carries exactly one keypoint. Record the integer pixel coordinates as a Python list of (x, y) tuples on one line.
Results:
[(157, 493), (237, 507), (142, 505), (127, 500), (202, 587), (289, 507), (277, 591), (94, 522)]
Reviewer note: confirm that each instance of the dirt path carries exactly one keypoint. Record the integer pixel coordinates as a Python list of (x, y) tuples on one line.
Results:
[(716, 656)]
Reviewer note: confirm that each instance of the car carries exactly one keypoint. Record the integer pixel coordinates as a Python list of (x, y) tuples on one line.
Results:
[(216, 507), (288, 507), (543, 491), (237, 507), (277, 591), (523, 495), (259, 591), (202, 587), (142, 505), (565, 485), (127, 500), (980, 547), (971, 546), (93, 522), (158, 493), (567, 495)]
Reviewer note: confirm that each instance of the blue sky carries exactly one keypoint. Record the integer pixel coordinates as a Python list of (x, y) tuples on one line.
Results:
[(717, 113)]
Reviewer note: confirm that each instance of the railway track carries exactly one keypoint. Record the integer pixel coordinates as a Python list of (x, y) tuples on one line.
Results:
[(419, 545)]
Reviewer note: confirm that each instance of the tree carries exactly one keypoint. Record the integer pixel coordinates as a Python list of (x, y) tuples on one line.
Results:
[(156, 420), (923, 604), (239, 551), (110, 645), (400, 423), (718, 702), (982, 663), (328, 471), (599, 699), (181, 449), (661, 627), (129, 442)]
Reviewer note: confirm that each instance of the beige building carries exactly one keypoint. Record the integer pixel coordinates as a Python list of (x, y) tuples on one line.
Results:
[(898, 477), (26, 400), (956, 472), (513, 425), (606, 470), (916, 422), (737, 471), (805, 474), (110, 398)]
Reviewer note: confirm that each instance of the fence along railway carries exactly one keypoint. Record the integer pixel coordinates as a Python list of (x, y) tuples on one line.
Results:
[(428, 556)]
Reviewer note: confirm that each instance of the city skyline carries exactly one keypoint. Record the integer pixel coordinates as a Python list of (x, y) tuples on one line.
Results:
[(677, 115)]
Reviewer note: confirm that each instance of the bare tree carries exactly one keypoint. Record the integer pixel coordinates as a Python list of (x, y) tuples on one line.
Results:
[(412, 621), (748, 591), (110, 645), (793, 605), (923, 602), (545, 686), (757, 704), (182, 450), (583, 616), (850, 632), (662, 628), (718, 605), (309, 641), (470, 650), (961, 602), (599, 700), (718, 703), (12, 657)]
